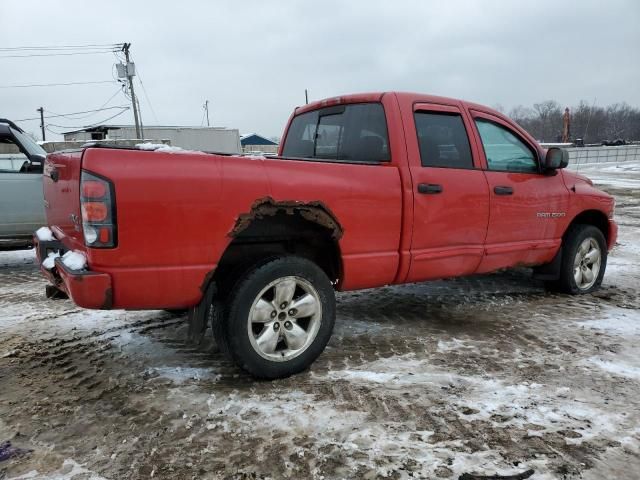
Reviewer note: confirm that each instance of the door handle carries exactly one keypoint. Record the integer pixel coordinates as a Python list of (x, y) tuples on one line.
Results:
[(502, 190), (429, 188)]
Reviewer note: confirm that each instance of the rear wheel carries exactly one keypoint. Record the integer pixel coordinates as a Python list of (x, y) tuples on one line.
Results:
[(279, 318), (584, 260)]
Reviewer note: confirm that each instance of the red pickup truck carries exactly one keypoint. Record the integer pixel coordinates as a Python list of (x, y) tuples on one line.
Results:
[(367, 190)]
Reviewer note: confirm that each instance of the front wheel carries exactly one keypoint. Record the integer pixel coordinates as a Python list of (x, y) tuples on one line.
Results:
[(280, 317), (584, 259)]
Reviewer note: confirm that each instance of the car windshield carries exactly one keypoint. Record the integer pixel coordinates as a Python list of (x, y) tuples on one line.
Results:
[(28, 143)]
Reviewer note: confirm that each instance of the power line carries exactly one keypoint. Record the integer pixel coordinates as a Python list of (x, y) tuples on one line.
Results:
[(56, 54), (73, 116), (124, 109), (46, 127), (63, 47), (73, 113), (57, 84), (144, 90), (102, 107)]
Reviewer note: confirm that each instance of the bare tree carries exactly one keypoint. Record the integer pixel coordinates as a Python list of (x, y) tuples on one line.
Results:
[(549, 115), (592, 123), (521, 114), (619, 118)]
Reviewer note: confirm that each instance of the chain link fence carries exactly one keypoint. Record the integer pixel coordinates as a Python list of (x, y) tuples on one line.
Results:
[(591, 155)]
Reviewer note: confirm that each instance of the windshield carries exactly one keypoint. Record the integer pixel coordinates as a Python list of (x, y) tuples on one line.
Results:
[(28, 144)]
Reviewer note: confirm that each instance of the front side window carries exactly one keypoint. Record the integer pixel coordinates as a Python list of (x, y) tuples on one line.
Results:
[(12, 160), (443, 140), (15, 156), (28, 143), (504, 151), (351, 133)]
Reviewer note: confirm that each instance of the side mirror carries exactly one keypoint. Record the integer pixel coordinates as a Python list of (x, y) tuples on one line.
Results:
[(36, 163), (37, 158), (556, 158)]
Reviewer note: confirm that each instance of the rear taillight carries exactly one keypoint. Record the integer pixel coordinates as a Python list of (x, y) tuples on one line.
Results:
[(98, 206)]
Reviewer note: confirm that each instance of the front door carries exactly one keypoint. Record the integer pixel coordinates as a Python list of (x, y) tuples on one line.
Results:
[(451, 196), (21, 197), (527, 206)]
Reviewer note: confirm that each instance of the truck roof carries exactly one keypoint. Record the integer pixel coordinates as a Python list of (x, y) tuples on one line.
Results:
[(377, 96), (8, 122)]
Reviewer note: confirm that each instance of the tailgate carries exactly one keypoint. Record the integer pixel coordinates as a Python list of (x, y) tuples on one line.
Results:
[(61, 183)]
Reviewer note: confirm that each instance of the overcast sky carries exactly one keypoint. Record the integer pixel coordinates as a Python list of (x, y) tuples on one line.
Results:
[(253, 59)]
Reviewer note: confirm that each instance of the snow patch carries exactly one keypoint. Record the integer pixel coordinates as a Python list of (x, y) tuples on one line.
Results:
[(397, 373), (616, 368), (619, 176), (45, 234), (453, 344), (493, 400), (13, 258), (185, 374), (296, 412), (50, 261), (161, 147), (618, 321), (150, 146), (74, 260)]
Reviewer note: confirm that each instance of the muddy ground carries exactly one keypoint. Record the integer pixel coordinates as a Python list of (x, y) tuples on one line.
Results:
[(483, 375)]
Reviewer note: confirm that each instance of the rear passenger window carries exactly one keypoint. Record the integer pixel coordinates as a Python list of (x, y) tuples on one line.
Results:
[(443, 140), (351, 133), (329, 136)]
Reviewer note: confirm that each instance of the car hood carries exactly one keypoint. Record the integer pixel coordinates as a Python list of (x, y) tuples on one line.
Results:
[(574, 177)]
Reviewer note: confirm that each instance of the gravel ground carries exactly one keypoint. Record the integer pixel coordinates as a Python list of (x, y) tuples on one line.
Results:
[(485, 375)]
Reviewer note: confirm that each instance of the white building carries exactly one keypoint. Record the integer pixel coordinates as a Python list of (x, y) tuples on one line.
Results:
[(206, 139)]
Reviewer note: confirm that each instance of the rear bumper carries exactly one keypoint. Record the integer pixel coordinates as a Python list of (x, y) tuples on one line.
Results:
[(86, 288)]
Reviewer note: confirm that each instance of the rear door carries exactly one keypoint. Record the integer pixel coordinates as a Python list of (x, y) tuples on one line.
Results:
[(526, 205), (341, 156), (451, 196)]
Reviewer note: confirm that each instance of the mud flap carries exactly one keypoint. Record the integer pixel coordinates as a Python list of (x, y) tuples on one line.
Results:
[(550, 271), (54, 293), (198, 317)]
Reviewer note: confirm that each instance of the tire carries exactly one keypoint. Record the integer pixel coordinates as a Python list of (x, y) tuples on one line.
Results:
[(281, 340), (219, 311), (574, 257)]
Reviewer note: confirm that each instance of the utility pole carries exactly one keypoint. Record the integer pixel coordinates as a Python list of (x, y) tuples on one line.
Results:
[(41, 110), (141, 125), (206, 109), (134, 103), (306, 96)]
